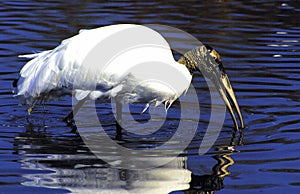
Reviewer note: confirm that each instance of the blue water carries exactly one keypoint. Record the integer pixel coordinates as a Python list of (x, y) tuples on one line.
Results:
[(260, 48)]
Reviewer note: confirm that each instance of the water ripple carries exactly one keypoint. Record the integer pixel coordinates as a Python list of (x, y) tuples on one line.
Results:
[(259, 44)]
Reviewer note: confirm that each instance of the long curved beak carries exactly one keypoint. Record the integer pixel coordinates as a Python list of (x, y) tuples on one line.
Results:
[(212, 68), (224, 87), (206, 60)]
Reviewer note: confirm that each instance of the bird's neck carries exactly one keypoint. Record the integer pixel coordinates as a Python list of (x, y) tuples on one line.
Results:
[(188, 63)]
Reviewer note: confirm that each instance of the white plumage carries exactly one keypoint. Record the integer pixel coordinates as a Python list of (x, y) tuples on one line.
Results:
[(129, 73), (131, 63)]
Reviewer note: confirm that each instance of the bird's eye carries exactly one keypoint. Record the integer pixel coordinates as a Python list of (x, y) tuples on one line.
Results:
[(216, 56), (213, 53)]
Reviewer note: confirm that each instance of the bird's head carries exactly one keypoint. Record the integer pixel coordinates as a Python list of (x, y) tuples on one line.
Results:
[(208, 61)]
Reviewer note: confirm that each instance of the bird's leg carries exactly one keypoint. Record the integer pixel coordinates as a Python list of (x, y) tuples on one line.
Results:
[(119, 118), (44, 102), (76, 108), (119, 107), (29, 110)]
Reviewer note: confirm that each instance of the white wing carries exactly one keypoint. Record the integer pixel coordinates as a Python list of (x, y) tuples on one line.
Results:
[(55, 69), (64, 69)]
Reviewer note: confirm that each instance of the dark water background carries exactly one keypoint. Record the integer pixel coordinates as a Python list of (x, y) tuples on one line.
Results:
[(259, 43)]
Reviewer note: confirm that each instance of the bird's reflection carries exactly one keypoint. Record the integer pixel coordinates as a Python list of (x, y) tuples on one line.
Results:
[(68, 164)]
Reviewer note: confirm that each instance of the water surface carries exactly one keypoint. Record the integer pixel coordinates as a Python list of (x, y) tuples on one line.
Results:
[(259, 43)]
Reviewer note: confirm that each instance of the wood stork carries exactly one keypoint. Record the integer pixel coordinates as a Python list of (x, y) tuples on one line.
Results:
[(51, 74)]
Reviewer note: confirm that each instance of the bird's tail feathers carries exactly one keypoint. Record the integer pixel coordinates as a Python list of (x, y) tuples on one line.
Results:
[(35, 54), (29, 56)]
